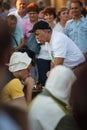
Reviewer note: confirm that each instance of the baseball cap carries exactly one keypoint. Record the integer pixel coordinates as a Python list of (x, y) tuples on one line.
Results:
[(19, 61), (40, 25)]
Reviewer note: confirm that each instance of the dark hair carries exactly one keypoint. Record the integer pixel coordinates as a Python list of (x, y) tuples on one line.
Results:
[(84, 12), (5, 5), (32, 7), (5, 41), (77, 1), (29, 52), (79, 98), (50, 10)]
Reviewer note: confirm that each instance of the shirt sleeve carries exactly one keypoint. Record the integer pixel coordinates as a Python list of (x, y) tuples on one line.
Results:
[(15, 89)]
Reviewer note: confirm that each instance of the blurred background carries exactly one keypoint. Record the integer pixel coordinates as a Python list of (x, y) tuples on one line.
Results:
[(42, 3)]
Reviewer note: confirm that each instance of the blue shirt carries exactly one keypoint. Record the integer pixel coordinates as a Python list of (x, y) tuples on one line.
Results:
[(17, 37), (77, 31)]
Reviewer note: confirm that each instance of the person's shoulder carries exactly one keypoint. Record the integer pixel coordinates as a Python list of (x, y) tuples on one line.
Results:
[(67, 123), (15, 81)]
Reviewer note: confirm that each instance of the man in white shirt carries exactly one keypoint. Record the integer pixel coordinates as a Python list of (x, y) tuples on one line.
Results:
[(63, 50), (20, 13)]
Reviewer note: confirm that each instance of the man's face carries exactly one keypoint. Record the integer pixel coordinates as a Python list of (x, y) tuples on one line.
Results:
[(12, 24), (41, 36), (23, 74), (21, 5), (76, 9)]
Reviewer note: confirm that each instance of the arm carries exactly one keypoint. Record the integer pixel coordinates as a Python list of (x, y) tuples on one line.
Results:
[(16, 93), (29, 82), (21, 44), (21, 102), (57, 61)]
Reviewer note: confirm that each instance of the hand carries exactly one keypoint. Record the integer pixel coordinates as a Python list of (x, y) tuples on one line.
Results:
[(29, 81), (47, 74)]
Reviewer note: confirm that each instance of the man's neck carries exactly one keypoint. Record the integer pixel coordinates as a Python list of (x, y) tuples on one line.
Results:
[(77, 18), (22, 14)]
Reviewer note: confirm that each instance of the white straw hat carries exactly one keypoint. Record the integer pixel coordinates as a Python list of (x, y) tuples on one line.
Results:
[(19, 61)]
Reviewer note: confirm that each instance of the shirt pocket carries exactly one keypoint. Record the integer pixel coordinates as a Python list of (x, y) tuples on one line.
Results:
[(83, 29)]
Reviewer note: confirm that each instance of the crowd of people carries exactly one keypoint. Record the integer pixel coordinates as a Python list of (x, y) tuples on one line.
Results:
[(57, 74)]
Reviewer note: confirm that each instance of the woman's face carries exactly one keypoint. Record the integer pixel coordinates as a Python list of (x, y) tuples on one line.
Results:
[(64, 15), (49, 17), (33, 16)]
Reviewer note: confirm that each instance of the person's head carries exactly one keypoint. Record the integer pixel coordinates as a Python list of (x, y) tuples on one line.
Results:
[(41, 13), (33, 11), (42, 31), (21, 6), (5, 6), (59, 83), (12, 22), (20, 65), (5, 44), (13, 117), (49, 14), (79, 98), (62, 14), (76, 7)]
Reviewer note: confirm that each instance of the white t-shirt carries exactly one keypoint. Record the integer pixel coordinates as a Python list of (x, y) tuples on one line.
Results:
[(64, 47), (44, 53), (58, 27)]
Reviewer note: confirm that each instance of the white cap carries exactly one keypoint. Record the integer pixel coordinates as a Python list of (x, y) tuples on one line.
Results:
[(59, 82), (19, 61)]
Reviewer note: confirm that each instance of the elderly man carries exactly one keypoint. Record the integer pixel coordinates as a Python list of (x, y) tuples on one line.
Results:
[(62, 49)]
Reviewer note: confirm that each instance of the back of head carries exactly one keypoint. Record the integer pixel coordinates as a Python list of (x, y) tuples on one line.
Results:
[(59, 82), (5, 41), (79, 98)]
